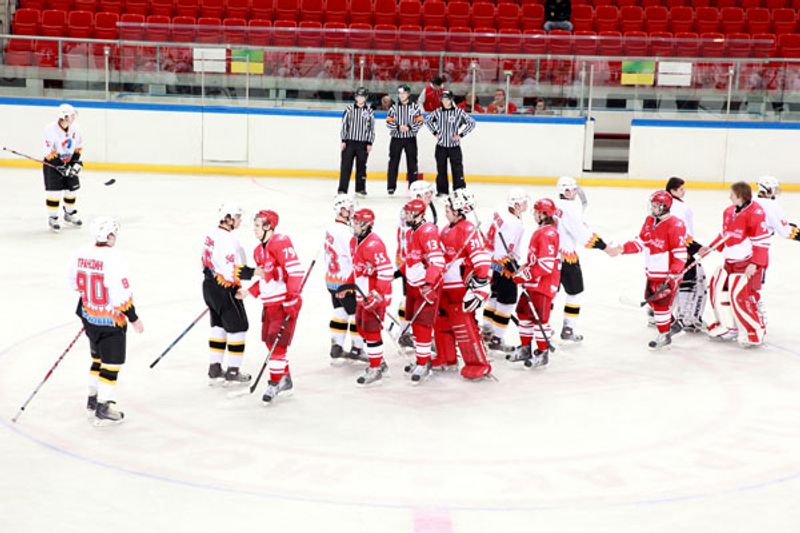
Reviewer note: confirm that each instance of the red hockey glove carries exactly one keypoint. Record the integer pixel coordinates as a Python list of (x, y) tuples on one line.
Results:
[(292, 305), (373, 301), (478, 292), (428, 293), (523, 275)]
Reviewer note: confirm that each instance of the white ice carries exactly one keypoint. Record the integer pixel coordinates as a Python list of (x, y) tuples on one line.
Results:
[(610, 437)]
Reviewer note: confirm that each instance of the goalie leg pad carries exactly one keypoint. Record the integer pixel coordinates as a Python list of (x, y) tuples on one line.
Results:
[(745, 307), (720, 299), (692, 298), (445, 340)]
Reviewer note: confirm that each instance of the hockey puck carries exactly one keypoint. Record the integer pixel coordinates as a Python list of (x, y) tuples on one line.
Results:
[(112, 181)]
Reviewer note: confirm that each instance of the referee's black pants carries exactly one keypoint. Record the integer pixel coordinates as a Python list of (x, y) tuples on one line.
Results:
[(456, 165), (353, 150), (396, 147)]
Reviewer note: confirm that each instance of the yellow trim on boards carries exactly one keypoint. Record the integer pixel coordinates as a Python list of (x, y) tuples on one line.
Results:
[(373, 176)]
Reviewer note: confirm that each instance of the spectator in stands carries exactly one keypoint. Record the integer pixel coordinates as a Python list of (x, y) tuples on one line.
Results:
[(540, 108), (557, 14), (467, 106), (431, 96), (386, 103), (498, 106)]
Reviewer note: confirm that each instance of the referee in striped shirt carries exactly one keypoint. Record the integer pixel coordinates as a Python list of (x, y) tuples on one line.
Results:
[(404, 121), (449, 125), (358, 134)]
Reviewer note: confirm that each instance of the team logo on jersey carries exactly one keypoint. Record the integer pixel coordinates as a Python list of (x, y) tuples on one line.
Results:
[(451, 120)]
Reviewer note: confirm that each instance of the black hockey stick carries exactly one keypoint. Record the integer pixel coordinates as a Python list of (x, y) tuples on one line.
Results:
[(47, 376), (195, 321), (112, 181)]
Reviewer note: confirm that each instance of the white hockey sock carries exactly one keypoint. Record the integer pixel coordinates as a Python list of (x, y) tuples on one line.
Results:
[(355, 338), (236, 349), (217, 342), (53, 201), (94, 376), (69, 202), (572, 308), (489, 309), (107, 382), (338, 325), (502, 314)]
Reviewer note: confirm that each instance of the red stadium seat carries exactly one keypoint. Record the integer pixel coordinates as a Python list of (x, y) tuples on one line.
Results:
[(39, 5), (764, 44), (409, 12), (411, 37), (610, 43), (631, 18), (635, 43), (758, 20), (681, 19), (361, 12), (707, 19), (385, 12), (262, 10), (334, 35), (784, 20), (582, 18), (85, 5), (789, 45), (599, 3), (336, 11), (237, 9), (651, 3), (360, 36), (53, 22), (137, 7), (435, 38), (286, 10), (111, 6), (385, 36), (132, 27), (712, 44), (606, 18), (738, 45), (656, 18), (747, 4), (483, 15), (105, 26), (722, 4), (62, 5), (585, 43), (459, 39), (212, 9), (284, 33), (310, 34), (18, 58), (560, 42), (80, 24), (534, 42), (661, 43), (186, 8), (509, 41), (687, 44), (485, 40), (158, 27), (184, 29), (458, 13), (26, 22), (508, 16), (162, 8), (732, 19), (532, 17), (209, 30), (775, 4), (434, 13), (259, 32), (234, 30), (626, 3)]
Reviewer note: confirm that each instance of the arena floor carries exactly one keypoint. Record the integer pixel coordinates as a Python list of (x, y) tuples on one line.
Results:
[(609, 438)]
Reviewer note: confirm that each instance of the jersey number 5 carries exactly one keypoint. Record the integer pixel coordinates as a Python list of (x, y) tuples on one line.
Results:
[(92, 288)]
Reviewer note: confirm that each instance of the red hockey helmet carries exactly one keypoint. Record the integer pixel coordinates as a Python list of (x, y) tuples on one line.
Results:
[(269, 217), (415, 207), (660, 203), (364, 216), (545, 206)]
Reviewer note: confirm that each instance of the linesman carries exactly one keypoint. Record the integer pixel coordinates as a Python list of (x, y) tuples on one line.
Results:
[(358, 134), (449, 125), (404, 121)]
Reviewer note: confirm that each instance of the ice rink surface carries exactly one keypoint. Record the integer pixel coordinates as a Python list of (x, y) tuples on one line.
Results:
[(610, 437)]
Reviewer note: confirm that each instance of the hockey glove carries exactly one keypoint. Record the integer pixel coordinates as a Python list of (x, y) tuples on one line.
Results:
[(292, 305), (523, 275), (477, 293), (373, 301), (63, 170), (510, 266), (428, 293), (74, 169)]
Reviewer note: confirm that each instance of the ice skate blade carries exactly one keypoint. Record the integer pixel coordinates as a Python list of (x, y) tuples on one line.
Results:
[(215, 382), (282, 394), (235, 384), (103, 422)]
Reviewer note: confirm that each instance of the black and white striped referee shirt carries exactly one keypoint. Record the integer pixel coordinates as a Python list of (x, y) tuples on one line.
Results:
[(404, 115), (448, 122), (358, 124)]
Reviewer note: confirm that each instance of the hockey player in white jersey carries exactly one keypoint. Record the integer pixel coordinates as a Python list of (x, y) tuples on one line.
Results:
[(63, 145), (768, 190), (105, 307), (573, 232), (224, 268), (503, 239), (339, 263), (691, 301)]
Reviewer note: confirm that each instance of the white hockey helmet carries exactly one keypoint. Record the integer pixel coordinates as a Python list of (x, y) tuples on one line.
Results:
[(516, 196), (230, 209), (104, 226), (461, 201), (66, 111), (343, 201), (768, 185), (419, 189), (566, 183)]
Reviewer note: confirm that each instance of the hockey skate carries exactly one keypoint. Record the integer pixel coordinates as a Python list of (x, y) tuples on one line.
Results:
[(695, 327), (73, 218), (372, 374), (234, 377), (496, 344), (406, 340), (420, 372), (357, 354), (486, 333), (661, 341), (676, 326), (55, 227), (729, 335), (91, 405), (747, 343), (107, 414), (540, 358), (215, 374), (568, 334), (337, 352), (521, 353), (276, 387)]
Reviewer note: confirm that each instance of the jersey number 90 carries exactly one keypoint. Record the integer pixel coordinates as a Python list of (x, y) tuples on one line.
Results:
[(92, 288)]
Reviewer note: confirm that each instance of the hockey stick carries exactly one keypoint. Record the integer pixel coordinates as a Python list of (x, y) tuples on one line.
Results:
[(47, 376), (195, 321), (112, 181), (280, 332)]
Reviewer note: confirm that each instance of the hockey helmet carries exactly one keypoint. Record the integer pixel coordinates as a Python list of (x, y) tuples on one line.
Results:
[(364, 216), (768, 185), (104, 226), (230, 209), (415, 207), (461, 201), (546, 206), (419, 189), (362, 91), (343, 201), (660, 203), (66, 111), (516, 196), (268, 216), (404, 89), (566, 183), (447, 94)]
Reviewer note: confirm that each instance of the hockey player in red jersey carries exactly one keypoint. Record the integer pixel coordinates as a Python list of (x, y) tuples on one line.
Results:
[(465, 288), (423, 270), (663, 240), (744, 242), (539, 278), (279, 290), (373, 275)]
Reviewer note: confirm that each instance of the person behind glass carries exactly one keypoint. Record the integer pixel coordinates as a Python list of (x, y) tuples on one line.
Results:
[(386, 103), (404, 121), (358, 134), (449, 125), (468, 106), (431, 96), (557, 14), (499, 104)]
